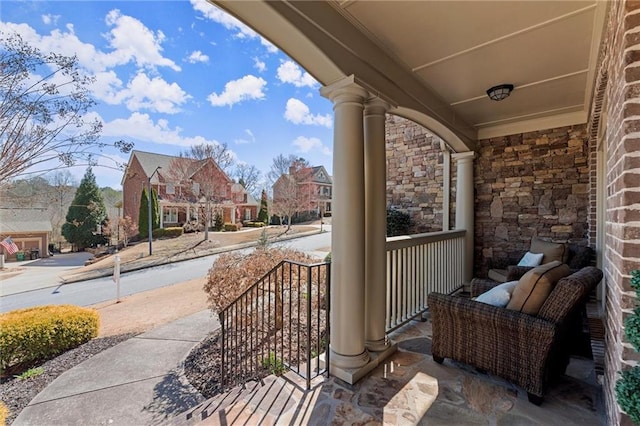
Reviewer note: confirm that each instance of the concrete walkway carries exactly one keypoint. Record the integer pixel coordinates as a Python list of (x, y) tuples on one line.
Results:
[(137, 382)]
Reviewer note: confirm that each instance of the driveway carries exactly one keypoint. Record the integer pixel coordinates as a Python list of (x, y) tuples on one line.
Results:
[(62, 260), (37, 274)]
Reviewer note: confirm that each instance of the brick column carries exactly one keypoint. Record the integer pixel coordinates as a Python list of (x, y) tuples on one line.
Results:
[(622, 144)]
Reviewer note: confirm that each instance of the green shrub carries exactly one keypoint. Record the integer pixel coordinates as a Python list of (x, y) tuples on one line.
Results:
[(37, 334), (218, 222), (274, 364), (398, 223), (628, 386), (230, 226), (168, 232), (254, 224), (327, 258)]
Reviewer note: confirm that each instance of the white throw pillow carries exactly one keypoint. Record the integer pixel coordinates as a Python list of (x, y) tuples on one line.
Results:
[(499, 295), (531, 259)]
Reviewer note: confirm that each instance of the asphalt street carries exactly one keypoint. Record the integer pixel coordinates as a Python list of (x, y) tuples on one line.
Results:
[(84, 293)]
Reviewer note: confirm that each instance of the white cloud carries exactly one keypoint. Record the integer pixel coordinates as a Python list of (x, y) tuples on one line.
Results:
[(107, 87), (250, 139), (197, 56), (130, 40), (307, 144), (242, 31), (154, 94), (235, 91), (141, 127), (259, 65), (141, 92), (298, 112), (133, 41), (290, 72), (50, 19)]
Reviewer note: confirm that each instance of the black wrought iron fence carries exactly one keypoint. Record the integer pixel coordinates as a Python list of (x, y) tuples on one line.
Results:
[(280, 323)]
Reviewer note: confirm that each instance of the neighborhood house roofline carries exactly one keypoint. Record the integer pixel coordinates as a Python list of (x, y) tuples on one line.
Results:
[(149, 161)]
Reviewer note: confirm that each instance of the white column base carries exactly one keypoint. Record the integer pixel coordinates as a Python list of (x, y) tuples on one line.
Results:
[(349, 361), (352, 375), (377, 345)]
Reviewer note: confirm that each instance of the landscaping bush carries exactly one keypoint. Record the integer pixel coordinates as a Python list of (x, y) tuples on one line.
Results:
[(168, 232), (232, 273), (37, 334), (231, 227), (628, 386), (398, 223), (4, 413), (250, 224)]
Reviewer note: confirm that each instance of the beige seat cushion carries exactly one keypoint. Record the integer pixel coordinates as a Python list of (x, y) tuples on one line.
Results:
[(551, 251), (535, 286), (499, 275)]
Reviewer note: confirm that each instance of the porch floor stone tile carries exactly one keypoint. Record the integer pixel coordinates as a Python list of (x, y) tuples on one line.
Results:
[(409, 388)]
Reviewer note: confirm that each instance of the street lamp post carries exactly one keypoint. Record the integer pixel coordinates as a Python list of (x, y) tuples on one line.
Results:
[(149, 197)]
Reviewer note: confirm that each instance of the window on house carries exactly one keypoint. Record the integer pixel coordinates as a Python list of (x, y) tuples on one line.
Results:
[(196, 188), (244, 199), (171, 189), (170, 215), (247, 213)]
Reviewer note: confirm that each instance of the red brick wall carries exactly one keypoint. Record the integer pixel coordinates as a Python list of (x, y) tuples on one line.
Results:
[(132, 187), (622, 252)]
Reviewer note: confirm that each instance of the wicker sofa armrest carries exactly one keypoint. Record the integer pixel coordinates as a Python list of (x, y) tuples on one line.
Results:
[(481, 285), (507, 343), (514, 273)]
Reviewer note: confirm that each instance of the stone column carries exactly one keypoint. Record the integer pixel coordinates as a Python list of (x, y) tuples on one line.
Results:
[(347, 233), (465, 207), (375, 178)]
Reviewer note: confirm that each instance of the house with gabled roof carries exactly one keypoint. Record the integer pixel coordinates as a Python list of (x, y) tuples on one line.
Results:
[(182, 186), (29, 229), (310, 188)]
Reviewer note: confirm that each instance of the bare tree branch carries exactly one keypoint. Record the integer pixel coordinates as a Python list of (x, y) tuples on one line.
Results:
[(43, 99)]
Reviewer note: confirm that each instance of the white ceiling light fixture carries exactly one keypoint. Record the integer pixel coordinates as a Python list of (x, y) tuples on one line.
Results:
[(500, 92)]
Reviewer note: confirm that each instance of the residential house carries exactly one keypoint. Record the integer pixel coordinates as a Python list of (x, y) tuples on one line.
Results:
[(307, 190), (184, 186), (506, 86), (29, 229)]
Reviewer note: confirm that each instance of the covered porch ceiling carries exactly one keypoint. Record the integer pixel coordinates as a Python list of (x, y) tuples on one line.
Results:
[(434, 60)]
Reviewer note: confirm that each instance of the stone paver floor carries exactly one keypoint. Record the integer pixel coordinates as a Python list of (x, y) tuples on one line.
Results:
[(409, 388)]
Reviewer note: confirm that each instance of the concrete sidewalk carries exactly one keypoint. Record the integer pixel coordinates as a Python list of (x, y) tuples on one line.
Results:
[(138, 382)]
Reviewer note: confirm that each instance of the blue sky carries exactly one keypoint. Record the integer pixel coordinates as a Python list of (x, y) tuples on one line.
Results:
[(175, 73)]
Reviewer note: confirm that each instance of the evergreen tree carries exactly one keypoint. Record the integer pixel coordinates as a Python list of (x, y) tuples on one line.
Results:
[(263, 214), (86, 212), (155, 210), (143, 216)]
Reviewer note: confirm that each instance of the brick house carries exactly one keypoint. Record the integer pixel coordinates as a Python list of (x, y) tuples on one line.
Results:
[(182, 186), (559, 157), (309, 187), (28, 228)]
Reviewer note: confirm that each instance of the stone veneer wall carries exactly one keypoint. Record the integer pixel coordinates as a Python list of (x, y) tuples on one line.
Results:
[(415, 173), (622, 143), (527, 185)]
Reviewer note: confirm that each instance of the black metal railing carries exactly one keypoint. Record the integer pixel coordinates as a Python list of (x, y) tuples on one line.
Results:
[(280, 323)]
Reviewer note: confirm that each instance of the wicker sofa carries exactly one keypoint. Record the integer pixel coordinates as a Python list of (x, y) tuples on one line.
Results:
[(526, 350), (575, 255)]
